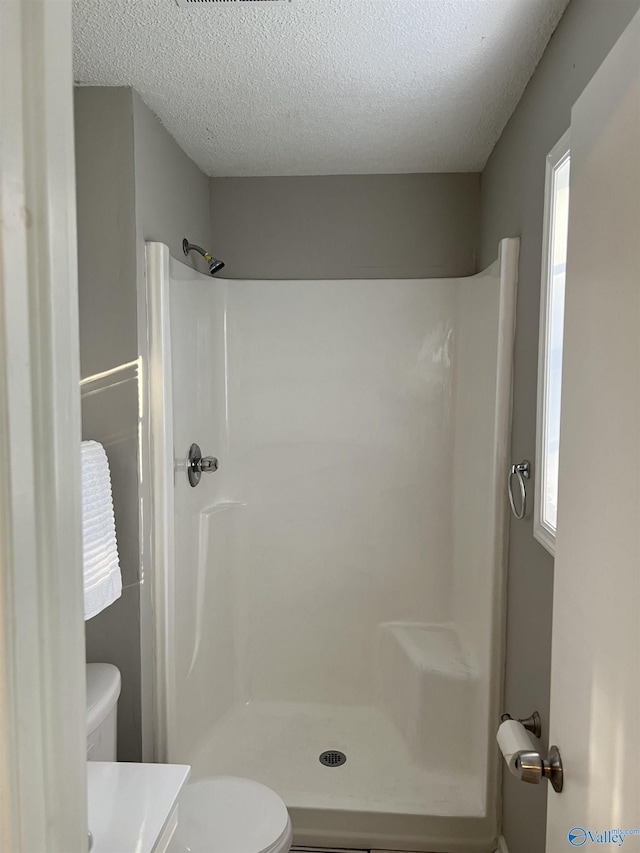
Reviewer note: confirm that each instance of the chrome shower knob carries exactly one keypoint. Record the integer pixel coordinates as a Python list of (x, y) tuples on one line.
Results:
[(197, 465)]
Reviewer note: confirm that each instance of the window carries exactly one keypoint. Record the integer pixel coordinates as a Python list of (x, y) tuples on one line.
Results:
[(554, 261)]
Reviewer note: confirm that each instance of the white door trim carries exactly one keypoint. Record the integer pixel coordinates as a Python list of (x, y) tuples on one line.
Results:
[(42, 704)]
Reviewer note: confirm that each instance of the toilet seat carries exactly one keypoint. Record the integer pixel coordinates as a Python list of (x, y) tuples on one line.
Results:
[(226, 814)]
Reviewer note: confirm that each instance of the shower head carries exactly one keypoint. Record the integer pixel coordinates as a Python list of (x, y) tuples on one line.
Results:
[(214, 264)]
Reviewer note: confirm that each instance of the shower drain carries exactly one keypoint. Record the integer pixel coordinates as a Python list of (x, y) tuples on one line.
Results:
[(332, 758)]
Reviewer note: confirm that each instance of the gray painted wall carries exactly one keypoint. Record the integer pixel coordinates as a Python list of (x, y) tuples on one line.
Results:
[(346, 226), (109, 339), (172, 194), (512, 190), (106, 217), (133, 183)]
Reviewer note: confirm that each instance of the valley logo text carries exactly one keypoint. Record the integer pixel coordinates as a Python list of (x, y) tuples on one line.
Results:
[(578, 836)]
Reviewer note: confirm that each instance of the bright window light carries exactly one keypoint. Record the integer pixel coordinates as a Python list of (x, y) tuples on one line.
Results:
[(554, 264)]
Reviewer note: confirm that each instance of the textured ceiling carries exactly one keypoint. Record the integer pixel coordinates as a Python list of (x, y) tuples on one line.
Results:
[(316, 87)]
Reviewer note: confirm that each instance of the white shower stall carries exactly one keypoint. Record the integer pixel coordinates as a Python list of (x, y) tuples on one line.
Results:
[(337, 584)]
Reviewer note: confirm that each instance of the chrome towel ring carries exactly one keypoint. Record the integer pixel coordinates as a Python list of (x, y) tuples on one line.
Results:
[(522, 470)]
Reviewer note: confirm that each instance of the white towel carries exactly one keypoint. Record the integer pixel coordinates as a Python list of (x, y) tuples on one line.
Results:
[(102, 578)]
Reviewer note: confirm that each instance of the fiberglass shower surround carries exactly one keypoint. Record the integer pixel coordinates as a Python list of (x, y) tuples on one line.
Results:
[(337, 585)]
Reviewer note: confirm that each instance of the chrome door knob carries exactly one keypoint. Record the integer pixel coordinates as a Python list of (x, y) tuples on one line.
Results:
[(197, 465), (532, 767)]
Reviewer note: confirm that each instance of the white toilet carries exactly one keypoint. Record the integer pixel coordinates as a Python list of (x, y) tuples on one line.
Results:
[(225, 814), (217, 814), (103, 691)]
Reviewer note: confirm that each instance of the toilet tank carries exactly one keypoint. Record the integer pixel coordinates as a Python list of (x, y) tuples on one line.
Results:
[(103, 690)]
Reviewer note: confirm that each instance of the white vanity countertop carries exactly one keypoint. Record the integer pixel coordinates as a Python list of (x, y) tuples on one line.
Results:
[(129, 804)]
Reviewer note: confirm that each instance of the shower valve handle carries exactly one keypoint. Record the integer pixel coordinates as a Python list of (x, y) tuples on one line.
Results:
[(197, 465), (208, 464)]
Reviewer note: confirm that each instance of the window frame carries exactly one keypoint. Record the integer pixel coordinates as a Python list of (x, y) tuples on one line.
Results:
[(561, 151)]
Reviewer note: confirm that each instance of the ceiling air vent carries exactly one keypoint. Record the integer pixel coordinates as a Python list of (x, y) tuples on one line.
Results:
[(189, 4)]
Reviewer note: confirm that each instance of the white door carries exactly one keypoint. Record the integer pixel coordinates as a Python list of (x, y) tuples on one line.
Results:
[(595, 684)]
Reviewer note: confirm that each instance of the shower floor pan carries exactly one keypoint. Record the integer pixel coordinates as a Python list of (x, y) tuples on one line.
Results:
[(378, 795)]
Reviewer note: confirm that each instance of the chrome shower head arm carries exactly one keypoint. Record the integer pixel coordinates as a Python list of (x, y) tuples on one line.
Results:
[(214, 263)]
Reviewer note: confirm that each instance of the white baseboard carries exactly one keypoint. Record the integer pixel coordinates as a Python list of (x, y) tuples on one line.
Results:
[(502, 845)]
